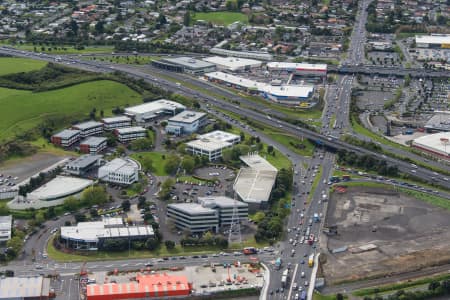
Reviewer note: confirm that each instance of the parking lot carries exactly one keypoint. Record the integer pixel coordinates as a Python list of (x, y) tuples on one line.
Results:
[(383, 58)]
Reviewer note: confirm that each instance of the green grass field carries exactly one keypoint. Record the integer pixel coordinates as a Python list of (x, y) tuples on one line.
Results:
[(10, 65), (59, 49), (157, 159), (220, 18), (24, 110)]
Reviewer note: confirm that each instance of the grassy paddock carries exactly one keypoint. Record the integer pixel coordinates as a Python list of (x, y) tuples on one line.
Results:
[(157, 159), (9, 65), (24, 110), (220, 18)]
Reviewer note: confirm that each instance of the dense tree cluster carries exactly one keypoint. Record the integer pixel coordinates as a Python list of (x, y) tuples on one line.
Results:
[(206, 240), (366, 162), (435, 289), (37, 181)]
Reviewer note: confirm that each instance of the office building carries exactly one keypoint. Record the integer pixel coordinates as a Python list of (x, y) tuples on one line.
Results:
[(130, 133), (211, 144), (193, 217), (116, 122), (221, 136), (185, 64), (120, 171), (83, 164), (89, 128), (92, 235), (5, 228), (66, 138), (93, 145), (147, 112), (224, 206), (186, 122)]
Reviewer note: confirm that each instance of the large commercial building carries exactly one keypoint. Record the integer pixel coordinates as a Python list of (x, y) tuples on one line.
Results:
[(25, 288), (234, 64), (212, 144), (193, 217), (185, 64), (91, 235), (437, 144), (278, 93), (89, 128), (60, 187), (224, 206), (149, 111), (244, 54), (440, 121), (116, 122), (130, 133), (93, 145), (302, 69), (83, 164), (152, 286), (186, 122), (254, 183), (5, 228), (66, 138), (121, 171), (441, 41)]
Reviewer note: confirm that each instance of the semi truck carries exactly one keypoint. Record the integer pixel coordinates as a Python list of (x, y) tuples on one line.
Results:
[(284, 278), (311, 261)]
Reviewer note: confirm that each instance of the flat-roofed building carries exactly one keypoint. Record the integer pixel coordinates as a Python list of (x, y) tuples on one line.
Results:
[(299, 68), (433, 41), (116, 122), (254, 183), (436, 144), (245, 54), (222, 136), (233, 64), (93, 145), (224, 206), (92, 235), (89, 128), (83, 164), (121, 171), (5, 228), (211, 144), (130, 133), (185, 64), (59, 187), (147, 112), (440, 121), (193, 217), (66, 138), (25, 288), (186, 122)]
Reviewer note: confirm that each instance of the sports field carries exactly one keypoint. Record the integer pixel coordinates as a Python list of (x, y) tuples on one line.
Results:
[(24, 110), (220, 18), (10, 65)]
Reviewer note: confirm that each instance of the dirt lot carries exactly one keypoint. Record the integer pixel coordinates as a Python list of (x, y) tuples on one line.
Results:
[(408, 234)]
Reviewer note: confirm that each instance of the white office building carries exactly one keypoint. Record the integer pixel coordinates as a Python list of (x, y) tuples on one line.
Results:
[(116, 122), (224, 206), (149, 111), (186, 122), (193, 217), (120, 171), (130, 133), (211, 144), (5, 228)]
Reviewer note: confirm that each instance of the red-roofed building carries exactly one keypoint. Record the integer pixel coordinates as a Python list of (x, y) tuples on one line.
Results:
[(154, 286)]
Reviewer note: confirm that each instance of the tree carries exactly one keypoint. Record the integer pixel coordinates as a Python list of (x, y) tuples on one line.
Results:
[(166, 188), (15, 243), (71, 203), (79, 217), (269, 149), (93, 212), (172, 164), (152, 244), (169, 244), (94, 195), (188, 164), (259, 216), (147, 164), (187, 18), (99, 27), (339, 296), (126, 205), (434, 285)]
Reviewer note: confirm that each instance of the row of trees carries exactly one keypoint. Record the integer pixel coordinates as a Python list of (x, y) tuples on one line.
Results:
[(435, 289), (95, 195), (366, 162), (37, 181), (206, 240)]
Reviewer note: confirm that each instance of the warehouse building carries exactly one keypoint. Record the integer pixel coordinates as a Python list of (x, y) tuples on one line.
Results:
[(66, 138), (89, 128), (59, 187), (25, 288), (193, 217), (5, 229), (116, 122), (83, 164), (211, 144), (254, 183), (244, 54), (185, 64), (121, 171), (436, 41), (93, 145), (147, 112), (130, 133), (224, 206), (437, 144), (91, 235), (186, 122), (302, 69), (234, 64), (152, 286), (440, 121)]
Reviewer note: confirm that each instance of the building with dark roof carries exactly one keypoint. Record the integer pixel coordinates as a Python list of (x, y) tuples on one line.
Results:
[(185, 64), (83, 164)]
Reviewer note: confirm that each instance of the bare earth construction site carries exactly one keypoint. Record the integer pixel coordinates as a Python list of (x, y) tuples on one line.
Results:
[(385, 233)]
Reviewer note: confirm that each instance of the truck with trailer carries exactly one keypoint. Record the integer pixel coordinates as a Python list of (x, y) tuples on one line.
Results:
[(284, 278)]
